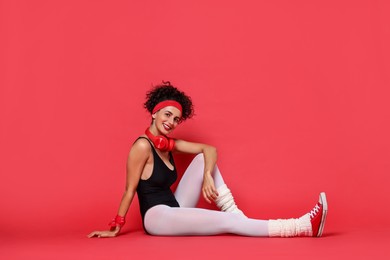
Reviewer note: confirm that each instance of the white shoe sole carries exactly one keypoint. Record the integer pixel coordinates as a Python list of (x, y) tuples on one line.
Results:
[(324, 203)]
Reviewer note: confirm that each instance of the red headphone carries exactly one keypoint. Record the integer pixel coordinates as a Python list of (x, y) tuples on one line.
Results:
[(161, 142)]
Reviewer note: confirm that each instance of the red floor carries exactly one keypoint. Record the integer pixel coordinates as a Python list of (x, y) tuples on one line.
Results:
[(336, 244)]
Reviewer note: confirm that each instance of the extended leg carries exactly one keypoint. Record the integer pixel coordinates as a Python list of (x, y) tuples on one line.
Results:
[(166, 221), (162, 220)]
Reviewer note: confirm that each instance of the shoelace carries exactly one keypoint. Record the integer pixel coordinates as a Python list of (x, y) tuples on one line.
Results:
[(314, 211)]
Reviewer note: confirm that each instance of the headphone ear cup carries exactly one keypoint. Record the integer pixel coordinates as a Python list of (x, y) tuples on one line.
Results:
[(161, 143), (171, 144)]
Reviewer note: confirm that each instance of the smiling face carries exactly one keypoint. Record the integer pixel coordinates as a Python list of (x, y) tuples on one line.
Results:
[(165, 120)]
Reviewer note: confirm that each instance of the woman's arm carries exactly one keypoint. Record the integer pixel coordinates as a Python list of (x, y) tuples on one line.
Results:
[(210, 159), (136, 161)]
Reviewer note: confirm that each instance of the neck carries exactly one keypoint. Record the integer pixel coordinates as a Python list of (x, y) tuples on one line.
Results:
[(153, 129)]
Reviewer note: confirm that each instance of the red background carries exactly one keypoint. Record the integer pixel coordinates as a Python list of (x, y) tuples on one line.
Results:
[(294, 94)]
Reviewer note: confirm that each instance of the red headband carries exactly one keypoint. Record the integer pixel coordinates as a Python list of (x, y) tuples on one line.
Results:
[(166, 103)]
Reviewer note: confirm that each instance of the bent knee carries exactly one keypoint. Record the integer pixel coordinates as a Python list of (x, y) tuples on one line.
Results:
[(199, 158)]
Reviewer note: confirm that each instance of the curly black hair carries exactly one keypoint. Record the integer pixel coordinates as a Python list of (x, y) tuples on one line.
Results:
[(166, 91)]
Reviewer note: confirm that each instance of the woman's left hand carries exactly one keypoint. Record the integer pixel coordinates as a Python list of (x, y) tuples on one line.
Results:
[(208, 189)]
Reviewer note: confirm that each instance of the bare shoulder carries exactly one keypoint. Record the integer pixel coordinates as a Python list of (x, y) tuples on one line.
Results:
[(139, 155), (141, 146)]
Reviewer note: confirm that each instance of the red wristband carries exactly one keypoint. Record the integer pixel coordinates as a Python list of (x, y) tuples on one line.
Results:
[(117, 221)]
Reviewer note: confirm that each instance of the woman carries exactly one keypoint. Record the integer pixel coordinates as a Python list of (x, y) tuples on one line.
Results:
[(151, 171)]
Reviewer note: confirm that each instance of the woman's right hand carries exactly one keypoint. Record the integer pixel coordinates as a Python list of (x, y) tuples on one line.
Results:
[(105, 233)]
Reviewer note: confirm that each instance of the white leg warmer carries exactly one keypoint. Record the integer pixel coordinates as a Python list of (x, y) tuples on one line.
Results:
[(225, 201), (290, 227)]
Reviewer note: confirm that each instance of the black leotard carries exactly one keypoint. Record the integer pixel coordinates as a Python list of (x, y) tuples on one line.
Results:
[(156, 189)]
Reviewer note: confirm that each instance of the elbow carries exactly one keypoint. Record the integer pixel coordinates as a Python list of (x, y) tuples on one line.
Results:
[(207, 150), (213, 149)]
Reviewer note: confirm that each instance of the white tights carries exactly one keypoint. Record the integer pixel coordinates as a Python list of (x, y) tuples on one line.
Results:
[(187, 220)]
